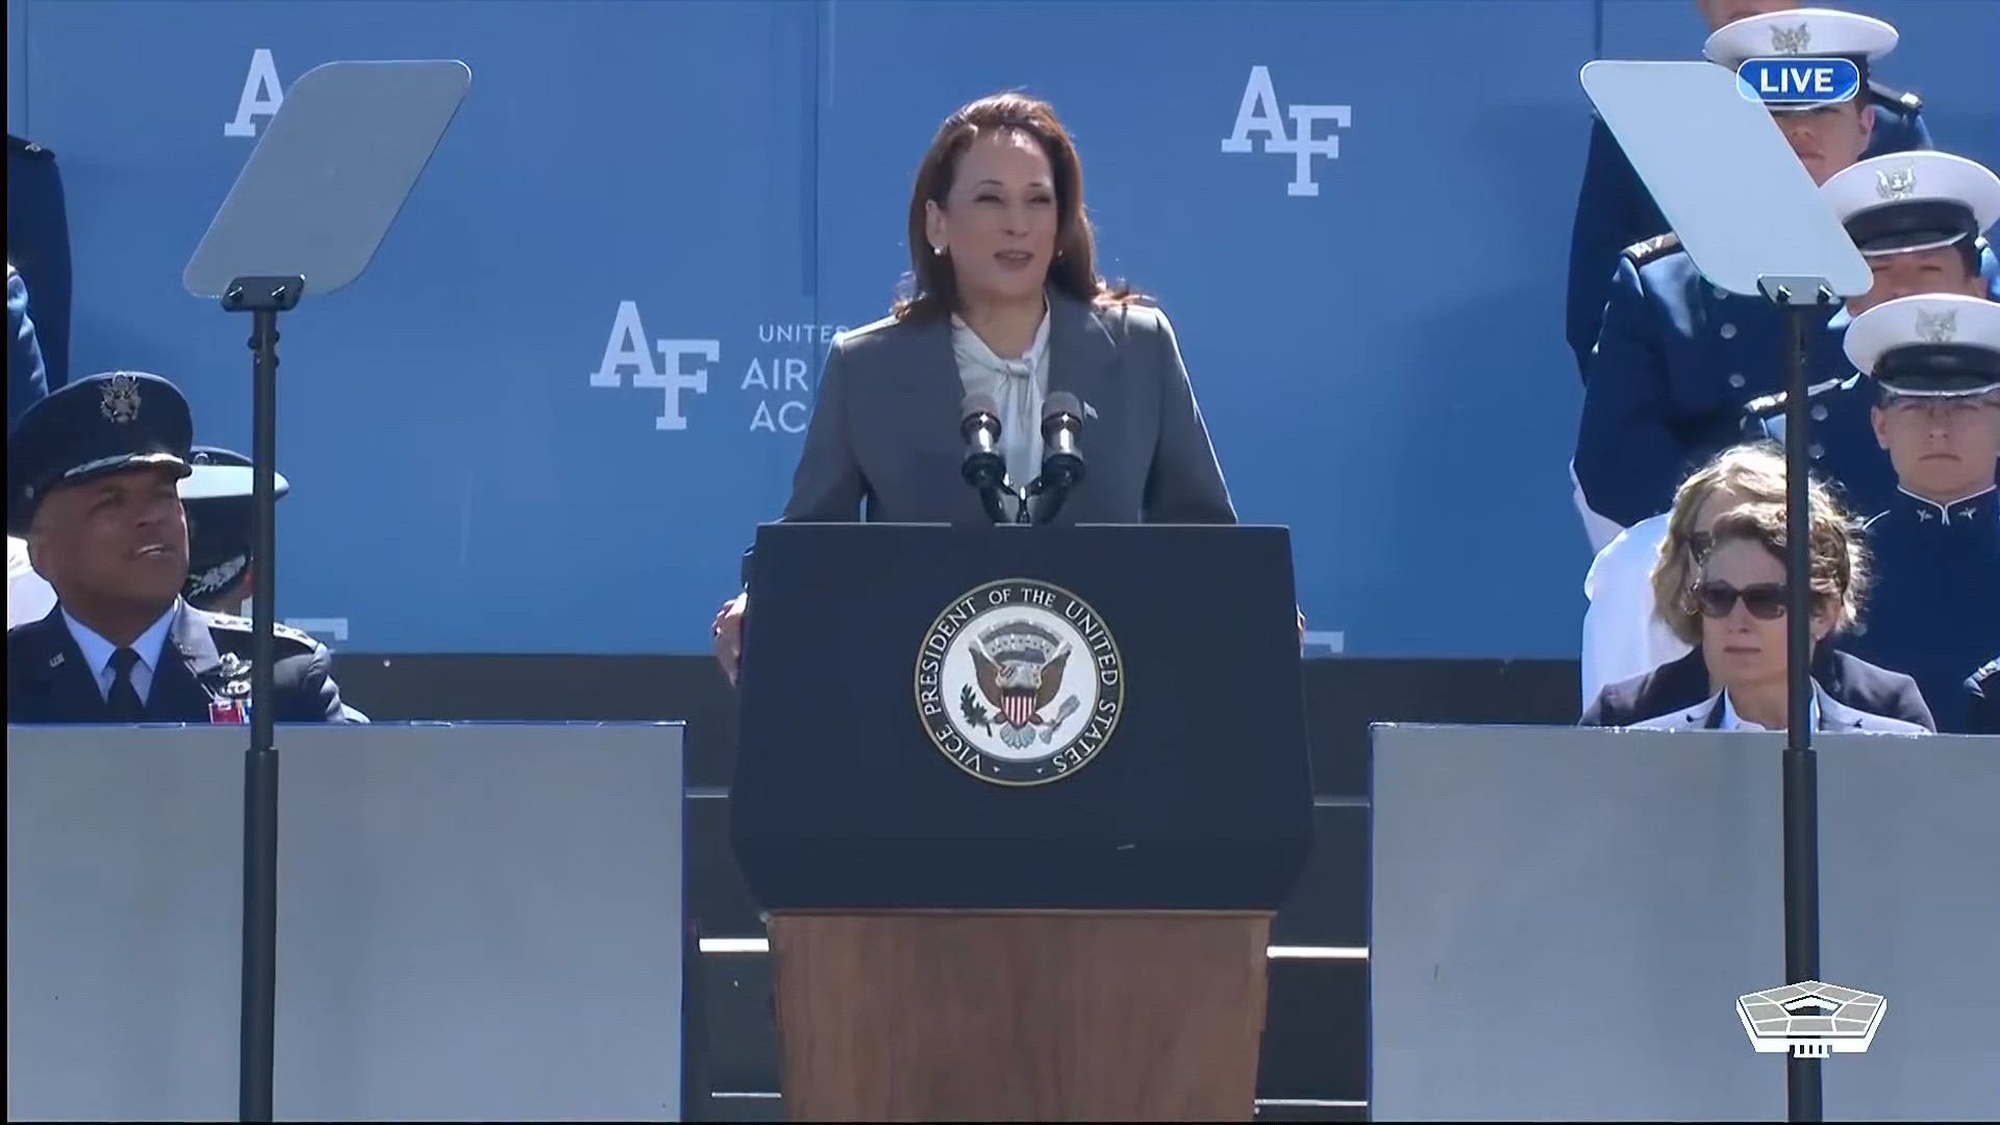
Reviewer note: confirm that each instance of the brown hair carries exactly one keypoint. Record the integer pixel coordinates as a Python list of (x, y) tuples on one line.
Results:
[(1756, 472), (1838, 571), (931, 290)]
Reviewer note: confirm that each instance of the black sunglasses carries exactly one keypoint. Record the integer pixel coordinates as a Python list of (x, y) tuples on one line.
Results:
[(1764, 600)]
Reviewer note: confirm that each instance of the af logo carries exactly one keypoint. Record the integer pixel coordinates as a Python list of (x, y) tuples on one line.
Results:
[(628, 347), (1259, 113), (776, 380), (262, 96), (1020, 683)]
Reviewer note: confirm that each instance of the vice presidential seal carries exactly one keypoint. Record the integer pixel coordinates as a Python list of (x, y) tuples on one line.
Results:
[(1020, 683)]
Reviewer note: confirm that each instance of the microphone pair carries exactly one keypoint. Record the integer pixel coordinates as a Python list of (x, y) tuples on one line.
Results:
[(985, 468)]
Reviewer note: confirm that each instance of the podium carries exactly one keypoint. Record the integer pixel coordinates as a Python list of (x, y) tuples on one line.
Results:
[(1020, 804)]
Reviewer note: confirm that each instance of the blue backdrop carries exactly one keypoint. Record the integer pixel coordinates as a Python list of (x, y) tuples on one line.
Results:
[(575, 377)]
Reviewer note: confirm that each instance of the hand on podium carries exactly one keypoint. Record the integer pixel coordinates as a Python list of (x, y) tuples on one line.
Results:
[(728, 633)]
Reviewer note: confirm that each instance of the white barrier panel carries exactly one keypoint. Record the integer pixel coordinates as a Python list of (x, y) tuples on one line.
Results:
[(1562, 920), (476, 922)]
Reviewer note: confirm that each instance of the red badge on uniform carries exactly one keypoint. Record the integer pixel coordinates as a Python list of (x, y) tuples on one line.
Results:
[(225, 711)]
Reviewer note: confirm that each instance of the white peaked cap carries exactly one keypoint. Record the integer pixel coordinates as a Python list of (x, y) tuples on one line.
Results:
[(1936, 344), (1913, 201), (1802, 33)]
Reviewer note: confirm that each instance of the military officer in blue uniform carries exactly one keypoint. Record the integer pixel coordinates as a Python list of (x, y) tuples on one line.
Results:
[(1916, 218), (38, 246), (1936, 610), (219, 495), (1677, 359), (92, 476), (1614, 210), (1982, 699)]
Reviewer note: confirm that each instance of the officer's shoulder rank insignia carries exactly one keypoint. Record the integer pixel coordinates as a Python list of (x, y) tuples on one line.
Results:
[(1653, 249), (1019, 683), (120, 399), (1905, 100)]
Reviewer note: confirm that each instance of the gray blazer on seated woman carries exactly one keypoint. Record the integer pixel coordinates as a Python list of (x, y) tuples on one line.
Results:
[(1003, 300), (1742, 598)]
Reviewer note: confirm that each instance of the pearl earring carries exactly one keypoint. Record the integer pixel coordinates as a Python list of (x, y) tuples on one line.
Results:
[(937, 251)]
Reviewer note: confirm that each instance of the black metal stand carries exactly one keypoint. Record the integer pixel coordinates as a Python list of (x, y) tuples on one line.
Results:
[(263, 298), (1056, 489), (1798, 300)]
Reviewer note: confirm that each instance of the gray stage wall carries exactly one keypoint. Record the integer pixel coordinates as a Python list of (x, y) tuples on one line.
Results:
[(1562, 920), (475, 922)]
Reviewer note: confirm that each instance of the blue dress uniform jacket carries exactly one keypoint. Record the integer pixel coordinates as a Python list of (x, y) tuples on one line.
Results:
[(1675, 366), (1614, 210), (38, 246), (1841, 440), (203, 665), (1982, 700), (1936, 609)]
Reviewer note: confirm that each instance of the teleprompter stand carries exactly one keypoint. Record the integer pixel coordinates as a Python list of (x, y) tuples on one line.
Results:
[(318, 194), (1686, 127)]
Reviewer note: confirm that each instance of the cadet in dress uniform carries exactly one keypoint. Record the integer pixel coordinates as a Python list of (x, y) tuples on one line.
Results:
[(1615, 211), (38, 246), (1936, 612), (219, 495), (92, 472), (1678, 359), (1916, 217), (1982, 700)]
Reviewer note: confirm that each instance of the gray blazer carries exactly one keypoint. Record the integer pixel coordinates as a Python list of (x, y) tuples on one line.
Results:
[(883, 444), (1834, 716)]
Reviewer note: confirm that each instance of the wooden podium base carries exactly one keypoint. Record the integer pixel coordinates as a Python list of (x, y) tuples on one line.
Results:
[(1020, 1016)]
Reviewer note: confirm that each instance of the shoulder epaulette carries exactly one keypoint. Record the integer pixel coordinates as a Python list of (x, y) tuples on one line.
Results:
[(1653, 249), (281, 631), (28, 148), (1894, 98)]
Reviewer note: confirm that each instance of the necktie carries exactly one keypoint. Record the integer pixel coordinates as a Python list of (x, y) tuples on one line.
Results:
[(123, 698)]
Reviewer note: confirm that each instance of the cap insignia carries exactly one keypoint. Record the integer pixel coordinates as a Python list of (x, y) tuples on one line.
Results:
[(1898, 184), (1791, 40), (121, 399), (1937, 328)]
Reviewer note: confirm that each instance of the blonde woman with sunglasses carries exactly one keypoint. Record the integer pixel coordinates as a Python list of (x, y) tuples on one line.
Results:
[(1740, 600), (1655, 618)]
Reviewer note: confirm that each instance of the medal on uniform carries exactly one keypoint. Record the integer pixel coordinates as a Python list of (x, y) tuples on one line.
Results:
[(226, 712)]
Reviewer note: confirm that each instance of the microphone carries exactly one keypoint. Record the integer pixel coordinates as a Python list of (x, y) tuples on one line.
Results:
[(983, 468), (1062, 463)]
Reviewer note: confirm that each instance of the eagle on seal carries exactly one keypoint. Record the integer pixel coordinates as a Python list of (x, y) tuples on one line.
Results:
[(1019, 689)]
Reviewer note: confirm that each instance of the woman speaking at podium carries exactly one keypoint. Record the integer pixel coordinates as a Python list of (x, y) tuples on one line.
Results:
[(1003, 302)]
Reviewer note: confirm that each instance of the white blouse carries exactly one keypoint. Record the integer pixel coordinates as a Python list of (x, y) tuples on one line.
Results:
[(1019, 386)]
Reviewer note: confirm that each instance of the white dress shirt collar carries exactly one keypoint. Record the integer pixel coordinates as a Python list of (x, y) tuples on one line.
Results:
[(1733, 721), (97, 651)]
